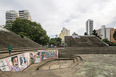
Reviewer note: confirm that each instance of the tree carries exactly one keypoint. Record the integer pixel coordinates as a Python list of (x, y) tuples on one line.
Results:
[(95, 33), (74, 33), (108, 42), (85, 33), (8, 24), (58, 41), (55, 41), (22, 34), (29, 29), (114, 35)]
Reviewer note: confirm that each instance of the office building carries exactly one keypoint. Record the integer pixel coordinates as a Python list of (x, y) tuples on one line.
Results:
[(89, 26)]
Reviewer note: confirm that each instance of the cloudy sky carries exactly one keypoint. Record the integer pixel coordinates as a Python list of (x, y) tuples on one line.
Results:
[(53, 15)]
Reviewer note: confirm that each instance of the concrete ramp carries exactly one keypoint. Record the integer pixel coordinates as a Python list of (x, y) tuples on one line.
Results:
[(60, 63)]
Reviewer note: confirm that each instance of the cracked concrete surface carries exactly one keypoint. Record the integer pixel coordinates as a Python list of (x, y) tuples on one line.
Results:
[(58, 64), (93, 65), (99, 65)]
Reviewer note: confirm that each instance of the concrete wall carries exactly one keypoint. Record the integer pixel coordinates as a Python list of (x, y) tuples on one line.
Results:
[(70, 51), (22, 61)]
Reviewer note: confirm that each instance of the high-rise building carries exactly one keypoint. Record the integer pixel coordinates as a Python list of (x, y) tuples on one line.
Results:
[(106, 33), (24, 14), (89, 26), (64, 32), (11, 15)]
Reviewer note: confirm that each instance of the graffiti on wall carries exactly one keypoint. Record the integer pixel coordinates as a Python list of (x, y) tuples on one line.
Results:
[(14, 63), (75, 36), (21, 61), (3, 65), (34, 57), (43, 55), (51, 54)]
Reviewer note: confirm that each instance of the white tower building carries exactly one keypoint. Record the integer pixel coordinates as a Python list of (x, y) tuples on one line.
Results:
[(89, 26), (11, 15), (24, 14)]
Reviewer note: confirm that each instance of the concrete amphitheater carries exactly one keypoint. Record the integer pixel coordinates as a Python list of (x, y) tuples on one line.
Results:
[(19, 44), (86, 56)]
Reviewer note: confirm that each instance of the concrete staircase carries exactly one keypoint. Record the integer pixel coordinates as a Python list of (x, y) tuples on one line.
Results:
[(84, 41), (10, 38)]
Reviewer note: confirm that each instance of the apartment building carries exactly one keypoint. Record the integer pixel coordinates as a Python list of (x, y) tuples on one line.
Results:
[(106, 33), (89, 26), (11, 15), (24, 14), (64, 32)]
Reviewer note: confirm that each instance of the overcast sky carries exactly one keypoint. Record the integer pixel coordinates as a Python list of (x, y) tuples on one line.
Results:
[(53, 15)]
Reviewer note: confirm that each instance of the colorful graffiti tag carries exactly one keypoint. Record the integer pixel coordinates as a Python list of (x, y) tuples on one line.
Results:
[(34, 57), (15, 63), (3, 65), (51, 54), (21, 61)]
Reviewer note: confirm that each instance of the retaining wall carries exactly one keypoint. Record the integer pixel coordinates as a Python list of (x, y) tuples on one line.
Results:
[(70, 51), (22, 61)]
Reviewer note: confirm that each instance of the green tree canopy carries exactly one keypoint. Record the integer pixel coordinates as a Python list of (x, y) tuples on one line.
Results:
[(95, 33), (8, 24), (108, 42), (114, 35), (55, 41), (74, 33), (29, 29), (85, 33)]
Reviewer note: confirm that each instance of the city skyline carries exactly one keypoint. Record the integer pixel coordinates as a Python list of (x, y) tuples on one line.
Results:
[(54, 15), (12, 15)]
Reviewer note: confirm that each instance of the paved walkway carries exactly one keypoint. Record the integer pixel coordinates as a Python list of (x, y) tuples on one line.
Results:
[(7, 55), (93, 65), (99, 65)]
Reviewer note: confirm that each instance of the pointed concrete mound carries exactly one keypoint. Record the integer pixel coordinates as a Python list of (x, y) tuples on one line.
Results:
[(84, 41), (9, 38)]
